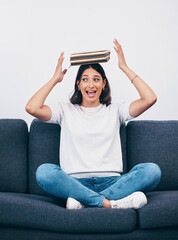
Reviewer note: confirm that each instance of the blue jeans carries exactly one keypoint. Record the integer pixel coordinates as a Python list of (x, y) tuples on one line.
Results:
[(92, 191)]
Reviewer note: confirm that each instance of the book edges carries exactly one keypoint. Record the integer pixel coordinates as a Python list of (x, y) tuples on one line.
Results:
[(90, 57)]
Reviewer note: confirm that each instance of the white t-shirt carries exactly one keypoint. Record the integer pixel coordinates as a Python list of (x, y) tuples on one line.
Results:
[(90, 144)]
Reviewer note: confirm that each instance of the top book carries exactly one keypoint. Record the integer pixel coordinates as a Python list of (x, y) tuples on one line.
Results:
[(89, 57)]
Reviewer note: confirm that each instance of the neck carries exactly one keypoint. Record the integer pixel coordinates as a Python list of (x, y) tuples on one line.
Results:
[(90, 105)]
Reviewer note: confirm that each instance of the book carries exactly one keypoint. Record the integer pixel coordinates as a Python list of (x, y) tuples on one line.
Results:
[(89, 57)]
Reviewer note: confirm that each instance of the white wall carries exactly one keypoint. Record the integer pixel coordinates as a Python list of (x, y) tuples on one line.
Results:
[(33, 33)]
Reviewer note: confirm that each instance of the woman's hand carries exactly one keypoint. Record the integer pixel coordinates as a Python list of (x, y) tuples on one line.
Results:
[(59, 74), (121, 60)]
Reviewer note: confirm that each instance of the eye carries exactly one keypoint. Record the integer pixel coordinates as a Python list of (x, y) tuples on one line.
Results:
[(84, 79), (96, 79)]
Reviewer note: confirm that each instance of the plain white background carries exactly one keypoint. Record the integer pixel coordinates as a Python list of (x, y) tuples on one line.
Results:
[(33, 33)]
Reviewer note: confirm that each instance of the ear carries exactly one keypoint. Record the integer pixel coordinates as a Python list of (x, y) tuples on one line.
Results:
[(77, 83)]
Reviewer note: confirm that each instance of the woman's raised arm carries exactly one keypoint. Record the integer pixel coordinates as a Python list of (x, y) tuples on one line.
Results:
[(147, 96), (35, 105)]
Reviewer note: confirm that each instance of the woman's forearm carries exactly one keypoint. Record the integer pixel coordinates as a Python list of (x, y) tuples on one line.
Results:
[(35, 105), (37, 100), (145, 92)]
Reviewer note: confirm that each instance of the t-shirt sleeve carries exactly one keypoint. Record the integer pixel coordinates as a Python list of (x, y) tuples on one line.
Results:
[(57, 113), (124, 114)]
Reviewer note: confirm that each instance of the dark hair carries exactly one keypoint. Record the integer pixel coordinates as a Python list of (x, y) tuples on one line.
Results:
[(105, 97)]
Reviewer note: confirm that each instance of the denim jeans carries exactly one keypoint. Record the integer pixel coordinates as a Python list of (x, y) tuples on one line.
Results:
[(92, 191)]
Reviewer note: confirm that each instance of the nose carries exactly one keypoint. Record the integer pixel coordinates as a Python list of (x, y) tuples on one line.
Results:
[(90, 84)]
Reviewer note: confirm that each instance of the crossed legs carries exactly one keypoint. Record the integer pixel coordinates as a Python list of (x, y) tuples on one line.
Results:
[(53, 180)]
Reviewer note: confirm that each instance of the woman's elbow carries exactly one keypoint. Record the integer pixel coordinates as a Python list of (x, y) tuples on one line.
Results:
[(152, 101), (29, 109)]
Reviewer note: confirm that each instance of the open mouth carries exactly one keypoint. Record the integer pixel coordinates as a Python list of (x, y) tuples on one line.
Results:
[(91, 93)]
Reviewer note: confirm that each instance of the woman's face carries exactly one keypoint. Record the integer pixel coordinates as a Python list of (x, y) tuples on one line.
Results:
[(91, 86)]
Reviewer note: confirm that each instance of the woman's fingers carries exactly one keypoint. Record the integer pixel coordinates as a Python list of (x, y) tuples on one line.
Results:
[(120, 54), (60, 60), (116, 42), (117, 47), (65, 70), (117, 51), (59, 74)]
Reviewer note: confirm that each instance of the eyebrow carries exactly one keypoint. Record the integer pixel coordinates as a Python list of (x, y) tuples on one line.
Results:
[(93, 75)]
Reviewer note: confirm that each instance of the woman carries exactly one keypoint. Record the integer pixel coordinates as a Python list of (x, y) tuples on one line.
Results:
[(90, 148)]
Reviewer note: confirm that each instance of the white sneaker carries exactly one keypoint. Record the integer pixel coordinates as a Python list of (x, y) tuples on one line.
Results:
[(135, 200), (73, 204)]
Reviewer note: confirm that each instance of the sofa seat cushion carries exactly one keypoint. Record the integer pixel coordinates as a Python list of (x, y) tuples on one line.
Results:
[(40, 212), (161, 210)]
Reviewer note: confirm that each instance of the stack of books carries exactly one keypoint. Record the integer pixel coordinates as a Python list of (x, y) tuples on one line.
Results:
[(89, 57)]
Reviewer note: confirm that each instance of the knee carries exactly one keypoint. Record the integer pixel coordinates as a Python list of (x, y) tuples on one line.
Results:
[(41, 172), (44, 171), (154, 172)]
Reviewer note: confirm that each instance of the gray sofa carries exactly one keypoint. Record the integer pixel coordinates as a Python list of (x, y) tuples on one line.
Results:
[(26, 212)]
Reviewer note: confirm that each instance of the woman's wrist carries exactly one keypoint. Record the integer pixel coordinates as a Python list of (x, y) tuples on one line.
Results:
[(130, 74), (54, 80), (124, 68)]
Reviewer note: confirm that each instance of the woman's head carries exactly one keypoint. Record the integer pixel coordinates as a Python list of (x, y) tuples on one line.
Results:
[(91, 86)]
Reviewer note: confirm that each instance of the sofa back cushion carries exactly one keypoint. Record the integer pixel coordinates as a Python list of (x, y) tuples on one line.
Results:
[(155, 141), (13, 155), (44, 141)]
